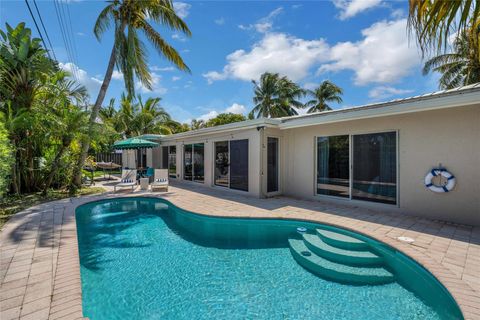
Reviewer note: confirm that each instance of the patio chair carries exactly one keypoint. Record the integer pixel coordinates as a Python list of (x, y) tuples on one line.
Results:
[(129, 180), (160, 180), (149, 174)]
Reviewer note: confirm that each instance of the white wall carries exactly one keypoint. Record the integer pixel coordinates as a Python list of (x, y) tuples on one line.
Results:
[(450, 137), (253, 137)]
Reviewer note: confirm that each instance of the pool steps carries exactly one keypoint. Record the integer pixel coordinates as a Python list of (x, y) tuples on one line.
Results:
[(341, 258), (339, 255)]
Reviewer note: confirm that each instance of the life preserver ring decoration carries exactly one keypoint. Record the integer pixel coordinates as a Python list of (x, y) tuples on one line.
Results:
[(450, 178)]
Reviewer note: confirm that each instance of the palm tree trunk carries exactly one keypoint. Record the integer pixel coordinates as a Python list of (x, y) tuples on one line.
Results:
[(55, 164), (77, 173)]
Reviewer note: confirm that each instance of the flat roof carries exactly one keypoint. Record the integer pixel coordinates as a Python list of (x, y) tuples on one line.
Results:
[(458, 97)]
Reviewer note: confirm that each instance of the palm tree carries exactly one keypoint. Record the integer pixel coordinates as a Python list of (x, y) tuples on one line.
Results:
[(23, 66), (459, 68), (128, 53), (434, 21), (326, 92), (151, 117), (275, 96)]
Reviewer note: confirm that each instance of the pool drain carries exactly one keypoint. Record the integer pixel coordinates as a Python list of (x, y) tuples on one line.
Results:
[(301, 229)]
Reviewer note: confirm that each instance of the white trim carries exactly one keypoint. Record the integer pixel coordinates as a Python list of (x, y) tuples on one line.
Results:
[(381, 110), (242, 125)]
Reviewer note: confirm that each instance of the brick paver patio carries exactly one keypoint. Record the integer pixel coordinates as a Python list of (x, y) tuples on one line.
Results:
[(40, 272)]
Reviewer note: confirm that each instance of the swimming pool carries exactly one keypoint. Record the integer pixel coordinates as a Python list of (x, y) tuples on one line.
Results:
[(143, 258)]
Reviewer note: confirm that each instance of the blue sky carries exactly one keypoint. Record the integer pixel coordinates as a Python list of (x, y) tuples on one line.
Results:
[(361, 45)]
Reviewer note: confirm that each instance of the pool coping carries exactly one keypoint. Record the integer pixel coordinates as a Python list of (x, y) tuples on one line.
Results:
[(48, 281)]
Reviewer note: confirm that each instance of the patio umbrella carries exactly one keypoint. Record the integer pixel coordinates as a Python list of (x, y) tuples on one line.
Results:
[(134, 144)]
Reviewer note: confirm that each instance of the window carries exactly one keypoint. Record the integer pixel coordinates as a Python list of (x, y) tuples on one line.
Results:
[(198, 162), (193, 162), (375, 167), (222, 165), (231, 164), (172, 161), (272, 164), (187, 162), (333, 173), (361, 167), (164, 157)]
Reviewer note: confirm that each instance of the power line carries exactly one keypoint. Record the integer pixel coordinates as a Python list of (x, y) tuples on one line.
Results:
[(38, 29), (65, 39), (44, 29), (73, 44)]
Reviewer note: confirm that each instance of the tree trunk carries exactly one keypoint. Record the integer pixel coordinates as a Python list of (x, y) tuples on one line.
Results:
[(77, 173), (55, 163)]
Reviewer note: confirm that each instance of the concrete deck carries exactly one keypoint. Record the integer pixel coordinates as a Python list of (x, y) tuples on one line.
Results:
[(40, 271)]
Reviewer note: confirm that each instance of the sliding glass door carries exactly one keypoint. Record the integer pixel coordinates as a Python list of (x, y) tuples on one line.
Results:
[(375, 167), (231, 164), (198, 162), (222, 165), (272, 164), (187, 162), (194, 162), (239, 165), (333, 172), (361, 167)]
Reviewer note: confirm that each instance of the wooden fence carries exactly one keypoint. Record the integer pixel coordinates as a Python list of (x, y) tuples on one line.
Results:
[(109, 157)]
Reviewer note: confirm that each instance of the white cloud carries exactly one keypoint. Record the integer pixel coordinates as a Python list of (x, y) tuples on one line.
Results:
[(384, 92), (350, 8), (265, 24), (117, 75), (296, 6), (220, 21), (179, 37), (310, 85), (382, 56), (174, 78), (156, 85), (156, 68), (207, 116), (276, 52), (91, 83), (182, 9), (234, 108), (81, 34)]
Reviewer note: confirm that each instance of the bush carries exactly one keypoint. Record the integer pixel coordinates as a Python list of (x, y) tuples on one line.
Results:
[(6, 159)]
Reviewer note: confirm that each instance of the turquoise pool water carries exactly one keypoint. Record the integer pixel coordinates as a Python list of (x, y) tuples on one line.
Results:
[(146, 259)]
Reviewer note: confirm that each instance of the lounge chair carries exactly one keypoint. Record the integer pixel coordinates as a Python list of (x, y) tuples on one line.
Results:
[(129, 180), (160, 179)]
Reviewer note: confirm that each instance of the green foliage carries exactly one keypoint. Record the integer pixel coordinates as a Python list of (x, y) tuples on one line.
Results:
[(6, 159), (132, 18), (42, 111), (275, 97), (434, 22), (225, 118), (135, 117), (326, 92), (461, 67)]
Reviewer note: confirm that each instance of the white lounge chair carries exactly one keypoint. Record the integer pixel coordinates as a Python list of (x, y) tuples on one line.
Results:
[(160, 179), (129, 180)]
